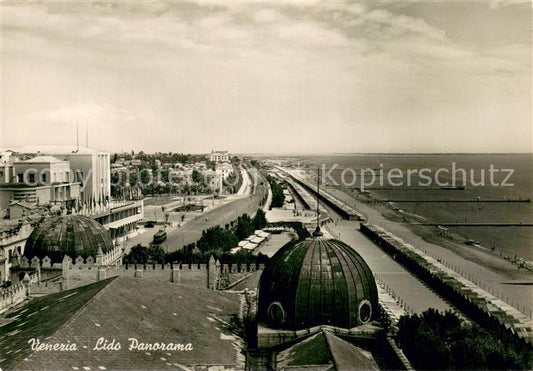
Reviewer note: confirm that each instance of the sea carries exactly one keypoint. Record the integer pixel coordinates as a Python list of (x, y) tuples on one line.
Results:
[(472, 177)]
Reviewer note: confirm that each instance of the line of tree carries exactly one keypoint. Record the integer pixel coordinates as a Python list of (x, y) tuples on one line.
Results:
[(435, 340), (161, 156), (215, 240), (224, 239), (141, 254), (240, 257), (278, 197), (153, 253)]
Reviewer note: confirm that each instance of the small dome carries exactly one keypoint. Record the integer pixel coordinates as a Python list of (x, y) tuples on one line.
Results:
[(315, 282), (72, 235)]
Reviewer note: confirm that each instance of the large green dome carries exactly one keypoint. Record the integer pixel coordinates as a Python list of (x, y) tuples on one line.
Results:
[(316, 282), (72, 235)]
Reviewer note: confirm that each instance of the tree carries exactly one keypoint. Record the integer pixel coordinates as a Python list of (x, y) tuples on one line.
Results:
[(217, 238), (441, 341), (260, 220), (156, 254), (137, 254), (244, 228), (141, 254), (196, 176), (278, 197)]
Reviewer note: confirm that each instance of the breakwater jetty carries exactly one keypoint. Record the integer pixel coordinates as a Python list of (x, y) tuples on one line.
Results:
[(475, 200), (473, 224)]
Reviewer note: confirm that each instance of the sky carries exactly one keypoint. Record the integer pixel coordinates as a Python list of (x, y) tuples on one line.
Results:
[(268, 77)]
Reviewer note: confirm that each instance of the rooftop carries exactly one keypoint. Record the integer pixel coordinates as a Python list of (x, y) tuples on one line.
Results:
[(43, 160), (325, 351), (250, 282), (126, 307), (40, 318), (56, 149)]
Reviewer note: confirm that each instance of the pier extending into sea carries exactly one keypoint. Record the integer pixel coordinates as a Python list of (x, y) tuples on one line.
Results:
[(475, 200), (473, 224)]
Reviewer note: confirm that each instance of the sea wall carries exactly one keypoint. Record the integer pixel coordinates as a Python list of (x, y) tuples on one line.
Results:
[(478, 304)]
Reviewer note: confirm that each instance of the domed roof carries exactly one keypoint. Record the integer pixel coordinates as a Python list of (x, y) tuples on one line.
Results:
[(315, 282), (72, 235)]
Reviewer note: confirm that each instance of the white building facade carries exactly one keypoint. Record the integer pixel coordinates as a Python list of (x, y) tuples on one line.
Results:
[(219, 156), (91, 168)]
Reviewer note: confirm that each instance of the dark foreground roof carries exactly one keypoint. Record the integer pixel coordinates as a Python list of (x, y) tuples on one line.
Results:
[(250, 282), (150, 312), (40, 318)]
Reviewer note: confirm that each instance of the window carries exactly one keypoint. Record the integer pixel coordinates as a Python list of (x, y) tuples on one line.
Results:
[(43, 178), (365, 311), (276, 313), (79, 177)]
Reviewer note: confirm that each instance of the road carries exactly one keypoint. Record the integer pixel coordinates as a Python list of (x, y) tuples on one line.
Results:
[(192, 230), (414, 294)]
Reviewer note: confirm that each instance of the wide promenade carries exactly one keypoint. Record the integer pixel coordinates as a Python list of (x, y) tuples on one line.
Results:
[(195, 222)]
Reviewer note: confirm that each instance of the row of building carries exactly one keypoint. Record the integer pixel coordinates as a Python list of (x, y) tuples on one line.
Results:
[(180, 174), (54, 174), (36, 181)]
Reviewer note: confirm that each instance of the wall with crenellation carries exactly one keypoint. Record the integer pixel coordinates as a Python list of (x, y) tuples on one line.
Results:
[(17, 293), (71, 274)]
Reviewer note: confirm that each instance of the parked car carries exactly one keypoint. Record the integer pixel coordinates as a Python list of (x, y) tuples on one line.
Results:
[(149, 224)]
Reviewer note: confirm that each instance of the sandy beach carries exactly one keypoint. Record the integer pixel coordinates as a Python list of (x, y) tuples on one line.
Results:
[(489, 271)]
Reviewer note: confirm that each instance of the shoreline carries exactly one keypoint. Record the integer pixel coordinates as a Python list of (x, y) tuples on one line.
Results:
[(478, 256), (453, 240)]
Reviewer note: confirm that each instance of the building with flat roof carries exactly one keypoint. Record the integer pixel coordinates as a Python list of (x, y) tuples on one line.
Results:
[(219, 156), (88, 192), (159, 326), (40, 180), (42, 169), (89, 167)]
